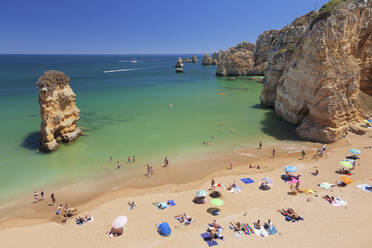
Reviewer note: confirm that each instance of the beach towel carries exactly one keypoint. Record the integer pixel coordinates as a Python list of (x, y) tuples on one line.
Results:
[(272, 230), (247, 229), (339, 202), (207, 238), (235, 189), (246, 180), (171, 203), (364, 186), (261, 232)]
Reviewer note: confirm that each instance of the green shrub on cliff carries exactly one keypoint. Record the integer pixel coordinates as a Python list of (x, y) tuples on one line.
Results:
[(325, 11)]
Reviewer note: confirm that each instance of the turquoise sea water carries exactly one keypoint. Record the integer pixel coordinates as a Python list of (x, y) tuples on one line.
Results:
[(125, 112)]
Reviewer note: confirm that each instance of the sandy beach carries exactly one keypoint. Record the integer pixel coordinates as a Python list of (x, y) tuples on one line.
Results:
[(323, 226)]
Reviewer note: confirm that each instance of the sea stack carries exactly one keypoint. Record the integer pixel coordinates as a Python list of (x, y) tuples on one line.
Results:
[(58, 111), (207, 60), (194, 59), (179, 63)]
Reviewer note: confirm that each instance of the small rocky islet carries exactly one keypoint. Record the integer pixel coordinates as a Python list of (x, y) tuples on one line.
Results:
[(58, 111)]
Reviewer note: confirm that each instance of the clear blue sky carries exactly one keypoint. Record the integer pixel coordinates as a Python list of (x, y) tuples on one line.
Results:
[(139, 26)]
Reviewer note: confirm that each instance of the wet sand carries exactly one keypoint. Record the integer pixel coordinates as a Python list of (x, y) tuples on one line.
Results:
[(324, 225)]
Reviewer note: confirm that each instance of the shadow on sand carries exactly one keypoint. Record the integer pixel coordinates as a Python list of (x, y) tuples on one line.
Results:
[(31, 141)]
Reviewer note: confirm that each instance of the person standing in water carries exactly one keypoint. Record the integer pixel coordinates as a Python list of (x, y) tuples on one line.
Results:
[(118, 164), (134, 158), (128, 159), (166, 162), (231, 164), (273, 152), (36, 196)]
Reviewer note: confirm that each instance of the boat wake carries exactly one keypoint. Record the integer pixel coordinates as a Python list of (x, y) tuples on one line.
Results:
[(134, 69)]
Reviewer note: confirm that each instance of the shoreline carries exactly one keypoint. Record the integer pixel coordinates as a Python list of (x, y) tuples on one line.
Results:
[(215, 164)]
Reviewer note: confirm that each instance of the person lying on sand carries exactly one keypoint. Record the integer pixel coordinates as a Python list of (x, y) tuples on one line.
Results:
[(161, 205), (215, 225), (290, 213), (343, 171), (131, 205), (115, 232), (237, 227), (80, 220), (329, 199), (184, 218), (315, 173)]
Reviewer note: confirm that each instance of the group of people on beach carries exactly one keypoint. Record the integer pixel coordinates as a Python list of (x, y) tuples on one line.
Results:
[(42, 194)]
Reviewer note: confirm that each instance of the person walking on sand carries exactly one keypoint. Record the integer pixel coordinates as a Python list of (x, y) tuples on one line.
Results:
[(166, 162), (231, 164), (213, 184), (260, 145), (42, 194), (273, 152), (134, 158), (303, 153), (53, 198)]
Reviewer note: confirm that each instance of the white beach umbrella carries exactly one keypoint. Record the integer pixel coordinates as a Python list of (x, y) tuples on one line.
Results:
[(119, 222)]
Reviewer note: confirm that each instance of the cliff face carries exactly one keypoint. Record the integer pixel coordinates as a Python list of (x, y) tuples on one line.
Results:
[(316, 85), (246, 58), (237, 61), (264, 44), (58, 111)]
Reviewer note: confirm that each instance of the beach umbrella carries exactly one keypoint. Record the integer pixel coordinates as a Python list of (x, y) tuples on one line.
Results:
[(369, 120), (290, 168), (214, 211), (267, 180), (217, 202), (164, 229), (119, 222), (346, 179), (366, 121), (355, 151), (325, 185), (201, 193), (293, 181), (215, 194), (346, 164)]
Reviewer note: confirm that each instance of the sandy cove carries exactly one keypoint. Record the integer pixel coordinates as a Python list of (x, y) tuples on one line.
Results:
[(324, 225)]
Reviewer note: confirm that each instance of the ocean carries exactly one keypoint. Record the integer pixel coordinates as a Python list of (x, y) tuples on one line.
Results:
[(143, 109)]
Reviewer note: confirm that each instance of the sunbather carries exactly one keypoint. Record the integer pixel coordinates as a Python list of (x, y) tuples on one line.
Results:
[(80, 220), (114, 232), (257, 225), (237, 227), (329, 199), (132, 205), (268, 225)]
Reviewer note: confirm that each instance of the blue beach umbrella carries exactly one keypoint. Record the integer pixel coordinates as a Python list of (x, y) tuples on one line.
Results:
[(164, 229), (355, 151), (369, 120), (290, 168), (201, 193)]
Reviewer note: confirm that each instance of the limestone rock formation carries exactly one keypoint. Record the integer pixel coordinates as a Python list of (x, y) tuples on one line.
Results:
[(317, 67), (179, 63), (237, 61), (207, 60), (279, 54), (246, 58), (58, 111), (264, 43), (194, 59), (215, 58)]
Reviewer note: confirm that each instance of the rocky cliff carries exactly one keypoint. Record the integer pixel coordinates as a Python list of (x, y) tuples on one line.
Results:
[(237, 61), (58, 111), (317, 67), (246, 58)]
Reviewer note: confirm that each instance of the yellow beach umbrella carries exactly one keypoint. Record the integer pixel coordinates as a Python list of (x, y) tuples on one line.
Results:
[(346, 180)]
